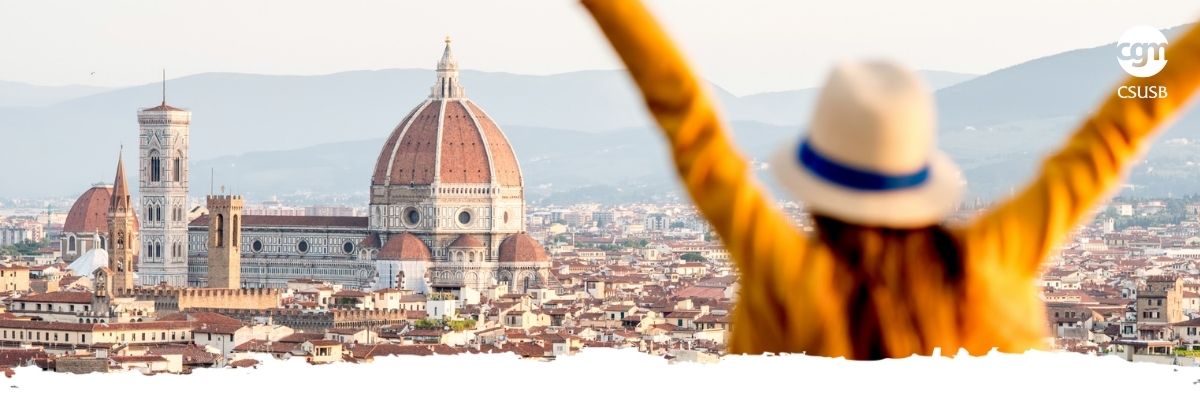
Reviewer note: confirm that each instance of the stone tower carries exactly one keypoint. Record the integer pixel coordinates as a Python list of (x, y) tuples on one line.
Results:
[(224, 241), (123, 239), (163, 181)]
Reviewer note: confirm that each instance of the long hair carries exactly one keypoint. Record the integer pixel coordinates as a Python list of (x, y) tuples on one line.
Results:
[(886, 271)]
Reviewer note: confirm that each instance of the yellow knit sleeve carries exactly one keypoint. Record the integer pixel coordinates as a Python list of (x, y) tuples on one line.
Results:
[(757, 234), (1019, 233)]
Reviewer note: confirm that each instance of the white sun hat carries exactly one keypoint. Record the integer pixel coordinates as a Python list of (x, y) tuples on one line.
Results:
[(870, 156)]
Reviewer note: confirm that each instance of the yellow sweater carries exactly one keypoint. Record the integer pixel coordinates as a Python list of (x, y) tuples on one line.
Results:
[(793, 296)]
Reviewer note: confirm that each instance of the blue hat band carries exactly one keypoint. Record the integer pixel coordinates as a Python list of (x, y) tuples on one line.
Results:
[(854, 178)]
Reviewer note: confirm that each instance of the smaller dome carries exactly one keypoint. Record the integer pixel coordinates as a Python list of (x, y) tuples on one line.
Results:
[(370, 242), (522, 248), (404, 247), (466, 241), (89, 262)]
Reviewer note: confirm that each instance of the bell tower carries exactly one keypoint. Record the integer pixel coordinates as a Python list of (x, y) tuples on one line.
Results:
[(224, 241), (123, 243), (163, 184)]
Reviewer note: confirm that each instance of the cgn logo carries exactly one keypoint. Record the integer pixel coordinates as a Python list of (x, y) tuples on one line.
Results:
[(1142, 51)]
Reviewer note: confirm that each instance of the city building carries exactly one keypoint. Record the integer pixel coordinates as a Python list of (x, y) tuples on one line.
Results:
[(14, 278), (1159, 305), (447, 213)]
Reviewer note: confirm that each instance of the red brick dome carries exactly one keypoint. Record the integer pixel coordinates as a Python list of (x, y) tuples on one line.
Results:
[(466, 241), (404, 247), (451, 141), (522, 248), (447, 139), (90, 211)]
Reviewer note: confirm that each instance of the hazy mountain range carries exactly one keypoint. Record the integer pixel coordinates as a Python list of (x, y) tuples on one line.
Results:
[(578, 135)]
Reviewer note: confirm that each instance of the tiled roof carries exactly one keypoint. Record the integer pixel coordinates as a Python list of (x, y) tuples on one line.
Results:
[(163, 107), (301, 337), (59, 297), (1190, 322), (521, 247), (244, 363), (90, 211), (192, 354), (322, 342), (370, 242), (469, 146), (133, 359), (405, 247), (263, 346), (466, 240)]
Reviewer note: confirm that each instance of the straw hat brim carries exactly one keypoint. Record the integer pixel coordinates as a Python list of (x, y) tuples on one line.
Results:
[(923, 205)]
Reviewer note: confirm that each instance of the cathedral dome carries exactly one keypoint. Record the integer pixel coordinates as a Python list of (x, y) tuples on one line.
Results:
[(89, 213), (447, 139), (522, 248), (404, 247)]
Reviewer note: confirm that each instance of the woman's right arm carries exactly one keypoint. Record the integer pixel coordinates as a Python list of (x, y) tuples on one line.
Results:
[(1018, 234), (760, 238)]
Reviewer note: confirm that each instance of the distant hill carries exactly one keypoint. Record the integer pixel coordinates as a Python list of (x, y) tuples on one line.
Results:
[(577, 135), (73, 142), (793, 107), (552, 160), (16, 94), (1000, 125)]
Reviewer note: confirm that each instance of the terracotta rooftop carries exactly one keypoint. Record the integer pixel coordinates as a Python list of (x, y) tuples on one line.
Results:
[(163, 107), (466, 240), (449, 139), (405, 247), (89, 213), (521, 247), (59, 297)]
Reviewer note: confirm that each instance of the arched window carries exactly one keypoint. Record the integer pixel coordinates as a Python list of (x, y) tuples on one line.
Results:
[(177, 168), (158, 213), (236, 230), (155, 167), (71, 243), (121, 240), (220, 230), (158, 250)]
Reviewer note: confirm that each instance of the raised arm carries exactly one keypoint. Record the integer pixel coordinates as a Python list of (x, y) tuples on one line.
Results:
[(756, 233), (1018, 234)]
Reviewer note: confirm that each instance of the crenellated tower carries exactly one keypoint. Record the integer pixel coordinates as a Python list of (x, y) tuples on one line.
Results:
[(224, 241)]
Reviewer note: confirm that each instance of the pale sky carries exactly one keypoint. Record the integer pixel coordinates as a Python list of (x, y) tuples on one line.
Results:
[(746, 46)]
